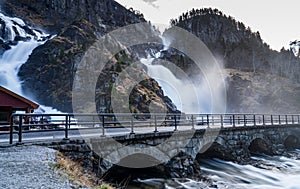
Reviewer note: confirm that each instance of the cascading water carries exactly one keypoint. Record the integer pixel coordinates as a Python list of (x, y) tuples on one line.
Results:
[(264, 172), (17, 41), (190, 95)]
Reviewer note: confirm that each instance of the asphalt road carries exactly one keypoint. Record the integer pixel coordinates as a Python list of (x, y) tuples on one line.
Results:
[(81, 133)]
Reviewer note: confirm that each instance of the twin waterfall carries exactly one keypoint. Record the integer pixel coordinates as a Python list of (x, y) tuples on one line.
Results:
[(17, 41)]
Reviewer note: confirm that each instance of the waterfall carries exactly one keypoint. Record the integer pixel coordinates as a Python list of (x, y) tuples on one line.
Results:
[(190, 95), (17, 41), (178, 90)]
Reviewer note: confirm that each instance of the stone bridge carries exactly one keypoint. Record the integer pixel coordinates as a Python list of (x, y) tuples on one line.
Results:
[(176, 144), (178, 151)]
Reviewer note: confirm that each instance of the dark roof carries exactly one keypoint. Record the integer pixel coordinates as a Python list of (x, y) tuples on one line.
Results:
[(19, 98)]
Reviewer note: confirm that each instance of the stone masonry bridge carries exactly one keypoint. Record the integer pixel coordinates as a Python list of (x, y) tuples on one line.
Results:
[(180, 140)]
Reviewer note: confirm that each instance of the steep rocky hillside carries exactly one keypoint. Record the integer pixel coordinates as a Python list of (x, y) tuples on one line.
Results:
[(53, 15), (48, 74), (237, 45), (259, 79), (259, 92)]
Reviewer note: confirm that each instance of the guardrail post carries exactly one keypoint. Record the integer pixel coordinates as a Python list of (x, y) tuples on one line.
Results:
[(175, 119), (212, 120), (272, 123), (193, 126), (207, 120), (286, 120), (293, 121), (11, 130), (254, 120), (222, 121), (66, 128), (20, 129), (103, 125), (298, 119), (155, 124), (264, 121), (245, 121), (233, 120), (132, 124), (279, 121)]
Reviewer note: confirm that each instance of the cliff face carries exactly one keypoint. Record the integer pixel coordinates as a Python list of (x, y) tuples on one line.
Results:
[(52, 15), (259, 79), (49, 72)]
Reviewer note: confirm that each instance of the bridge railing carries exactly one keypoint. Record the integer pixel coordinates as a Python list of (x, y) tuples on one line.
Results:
[(101, 124)]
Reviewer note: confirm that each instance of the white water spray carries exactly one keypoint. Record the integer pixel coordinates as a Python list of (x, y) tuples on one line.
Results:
[(190, 95), (12, 59)]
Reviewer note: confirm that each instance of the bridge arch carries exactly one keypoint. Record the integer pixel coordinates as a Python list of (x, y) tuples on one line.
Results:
[(291, 142), (213, 150), (260, 145), (132, 170)]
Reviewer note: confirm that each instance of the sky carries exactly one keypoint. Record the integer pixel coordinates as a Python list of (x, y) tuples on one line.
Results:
[(277, 21)]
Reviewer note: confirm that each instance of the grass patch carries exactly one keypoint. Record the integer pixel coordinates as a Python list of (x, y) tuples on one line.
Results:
[(74, 172)]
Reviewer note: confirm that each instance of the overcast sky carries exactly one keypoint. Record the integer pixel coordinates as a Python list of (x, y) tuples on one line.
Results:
[(277, 21)]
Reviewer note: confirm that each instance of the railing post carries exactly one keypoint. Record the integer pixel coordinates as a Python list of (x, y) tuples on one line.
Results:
[(222, 121), (233, 120), (132, 124), (193, 126), (207, 120), (286, 120), (20, 129), (293, 121), (254, 120), (264, 122), (103, 125), (212, 120), (67, 128), (11, 130), (155, 124), (272, 123), (245, 121), (175, 119), (298, 119), (279, 121)]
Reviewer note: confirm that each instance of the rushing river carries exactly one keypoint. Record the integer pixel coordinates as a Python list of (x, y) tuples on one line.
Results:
[(262, 172)]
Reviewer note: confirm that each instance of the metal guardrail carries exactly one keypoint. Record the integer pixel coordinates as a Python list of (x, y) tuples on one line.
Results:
[(26, 123)]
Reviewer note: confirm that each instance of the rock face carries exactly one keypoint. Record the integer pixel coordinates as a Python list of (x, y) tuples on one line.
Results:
[(262, 80), (53, 15), (261, 92), (48, 74)]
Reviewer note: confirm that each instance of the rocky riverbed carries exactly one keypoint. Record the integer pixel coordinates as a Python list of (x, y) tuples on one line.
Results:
[(31, 167)]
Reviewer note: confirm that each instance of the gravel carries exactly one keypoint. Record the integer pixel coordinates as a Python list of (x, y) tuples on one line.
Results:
[(30, 167)]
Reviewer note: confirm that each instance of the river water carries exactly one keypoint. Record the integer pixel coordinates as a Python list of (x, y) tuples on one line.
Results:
[(261, 172)]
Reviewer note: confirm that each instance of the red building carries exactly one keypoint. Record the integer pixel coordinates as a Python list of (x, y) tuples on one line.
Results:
[(11, 102)]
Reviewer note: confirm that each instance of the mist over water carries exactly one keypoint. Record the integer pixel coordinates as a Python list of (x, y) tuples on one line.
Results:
[(190, 94), (181, 92)]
